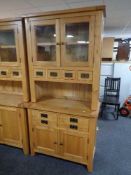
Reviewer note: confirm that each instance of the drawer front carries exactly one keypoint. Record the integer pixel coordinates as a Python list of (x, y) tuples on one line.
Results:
[(4, 73), (73, 123), (84, 76), (69, 75), (15, 73), (39, 73), (43, 118), (53, 74)]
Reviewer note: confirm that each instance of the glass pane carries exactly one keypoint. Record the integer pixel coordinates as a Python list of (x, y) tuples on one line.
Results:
[(46, 53), (7, 46), (8, 55), (7, 37), (77, 53), (45, 34), (46, 43), (77, 42), (77, 32)]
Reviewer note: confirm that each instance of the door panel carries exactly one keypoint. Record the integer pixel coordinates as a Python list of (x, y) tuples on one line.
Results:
[(45, 140), (11, 127), (77, 37), (45, 42), (73, 145), (9, 45)]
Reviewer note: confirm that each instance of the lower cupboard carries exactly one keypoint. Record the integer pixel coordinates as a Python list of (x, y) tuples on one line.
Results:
[(13, 127), (63, 136)]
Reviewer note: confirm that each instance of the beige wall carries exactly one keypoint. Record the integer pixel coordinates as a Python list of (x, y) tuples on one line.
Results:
[(107, 50)]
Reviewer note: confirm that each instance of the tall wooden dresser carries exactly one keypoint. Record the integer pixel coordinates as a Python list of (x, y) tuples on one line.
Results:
[(13, 84), (64, 51)]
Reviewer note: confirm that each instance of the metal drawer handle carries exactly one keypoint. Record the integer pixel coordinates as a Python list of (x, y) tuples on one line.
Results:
[(73, 127), (44, 115), (3, 72), (53, 74), (68, 75), (74, 120), (15, 73), (44, 122), (85, 75), (38, 73), (61, 144)]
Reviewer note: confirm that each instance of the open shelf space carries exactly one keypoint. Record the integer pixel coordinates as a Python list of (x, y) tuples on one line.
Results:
[(13, 100), (71, 91)]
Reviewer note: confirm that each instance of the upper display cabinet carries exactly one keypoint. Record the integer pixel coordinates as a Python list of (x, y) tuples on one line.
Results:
[(13, 67), (9, 44), (63, 41)]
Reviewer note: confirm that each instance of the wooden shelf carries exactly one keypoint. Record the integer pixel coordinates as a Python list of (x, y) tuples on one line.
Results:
[(76, 43), (7, 46), (46, 44), (66, 106), (12, 100), (63, 81)]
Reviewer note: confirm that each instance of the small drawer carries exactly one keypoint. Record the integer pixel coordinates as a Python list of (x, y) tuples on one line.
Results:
[(16, 73), (84, 76), (69, 75), (53, 74), (4, 73), (73, 123), (39, 73), (43, 118)]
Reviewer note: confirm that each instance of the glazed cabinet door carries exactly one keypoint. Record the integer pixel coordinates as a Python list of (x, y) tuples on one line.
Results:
[(45, 39), (9, 44), (73, 146), (11, 127), (45, 140), (77, 40)]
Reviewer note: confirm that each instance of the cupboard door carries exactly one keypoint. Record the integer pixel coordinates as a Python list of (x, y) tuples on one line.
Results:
[(9, 49), (11, 127), (45, 140), (73, 145), (45, 42), (77, 37), (1, 128)]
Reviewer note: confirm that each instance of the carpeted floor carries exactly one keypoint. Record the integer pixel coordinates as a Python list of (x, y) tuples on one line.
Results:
[(113, 155)]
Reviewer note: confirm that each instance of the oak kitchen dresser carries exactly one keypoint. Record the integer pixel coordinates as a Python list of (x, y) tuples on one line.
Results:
[(13, 85), (64, 51)]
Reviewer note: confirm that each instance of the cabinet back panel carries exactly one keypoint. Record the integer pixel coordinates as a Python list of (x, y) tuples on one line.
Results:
[(13, 87), (63, 90)]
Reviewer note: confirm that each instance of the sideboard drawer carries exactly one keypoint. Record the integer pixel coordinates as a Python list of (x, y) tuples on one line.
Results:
[(39, 73), (44, 118), (53, 74), (84, 76), (69, 75), (73, 123), (16, 73)]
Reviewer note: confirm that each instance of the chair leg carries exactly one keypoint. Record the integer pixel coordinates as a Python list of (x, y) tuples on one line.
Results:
[(102, 109), (118, 107)]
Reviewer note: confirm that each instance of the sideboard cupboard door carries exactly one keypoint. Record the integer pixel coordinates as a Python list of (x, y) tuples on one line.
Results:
[(45, 140), (1, 128), (12, 133), (45, 41), (77, 39), (73, 145), (9, 45)]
